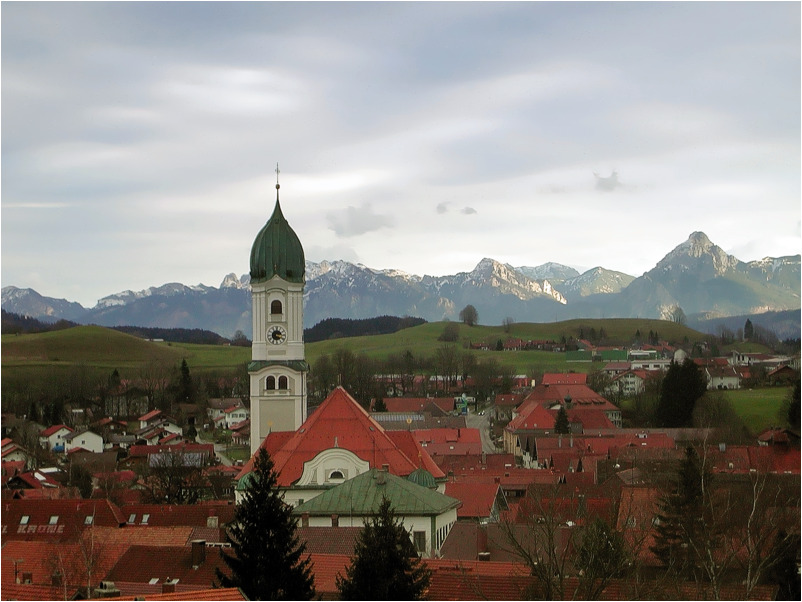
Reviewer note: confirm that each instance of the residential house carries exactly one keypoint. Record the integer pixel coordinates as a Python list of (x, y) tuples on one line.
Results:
[(629, 383), (505, 405), (52, 438), (216, 407), (83, 439), (445, 441), (481, 502), (722, 377), (11, 452), (235, 415)]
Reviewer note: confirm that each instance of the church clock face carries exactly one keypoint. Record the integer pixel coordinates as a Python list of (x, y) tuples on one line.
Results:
[(276, 335)]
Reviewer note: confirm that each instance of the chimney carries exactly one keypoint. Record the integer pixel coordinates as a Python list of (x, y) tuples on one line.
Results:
[(386, 467), (305, 519), (106, 589), (335, 520), (481, 541), (168, 587), (58, 579), (198, 552)]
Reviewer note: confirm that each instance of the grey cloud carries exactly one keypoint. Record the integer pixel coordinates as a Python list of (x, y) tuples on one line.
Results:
[(468, 211), (442, 207), (355, 221), (607, 184)]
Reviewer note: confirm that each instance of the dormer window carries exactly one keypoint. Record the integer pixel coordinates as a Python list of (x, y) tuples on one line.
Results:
[(54, 519), (336, 475), (145, 519), (132, 518), (24, 520), (89, 519)]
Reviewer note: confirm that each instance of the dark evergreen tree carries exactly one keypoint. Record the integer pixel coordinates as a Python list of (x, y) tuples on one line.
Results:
[(186, 388), (784, 567), (749, 330), (602, 556), (793, 406), (379, 405), (561, 425), (683, 384), (268, 561), (385, 565), (81, 478), (680, 518)]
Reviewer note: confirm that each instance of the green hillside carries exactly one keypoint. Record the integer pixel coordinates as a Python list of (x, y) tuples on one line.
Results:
[(92, 345), (108, 349)]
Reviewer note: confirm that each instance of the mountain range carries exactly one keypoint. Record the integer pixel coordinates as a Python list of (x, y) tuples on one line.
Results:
[(697, 276)]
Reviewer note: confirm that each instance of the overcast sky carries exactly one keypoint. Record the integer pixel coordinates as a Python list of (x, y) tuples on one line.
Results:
[(139, 140)]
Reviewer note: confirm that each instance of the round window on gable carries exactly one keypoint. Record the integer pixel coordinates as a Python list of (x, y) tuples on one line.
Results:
[(336, 475)]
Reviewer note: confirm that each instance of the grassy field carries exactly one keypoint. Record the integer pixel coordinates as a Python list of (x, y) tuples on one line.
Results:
[(106, 349), (758, 408)]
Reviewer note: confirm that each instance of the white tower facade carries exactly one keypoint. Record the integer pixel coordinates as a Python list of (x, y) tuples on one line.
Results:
[(278, 367)]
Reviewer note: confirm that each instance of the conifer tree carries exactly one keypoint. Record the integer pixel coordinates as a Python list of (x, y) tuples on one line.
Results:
[(680, 517), (561, 425), (268, 561), (385, 565), (682, 386)]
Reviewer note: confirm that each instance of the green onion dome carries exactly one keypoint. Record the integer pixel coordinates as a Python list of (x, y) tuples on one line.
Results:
[(422, 477), (277, 251)]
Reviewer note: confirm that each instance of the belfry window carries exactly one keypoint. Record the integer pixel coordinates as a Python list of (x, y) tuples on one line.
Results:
[(270, 383), (276, 308), (282, 382)]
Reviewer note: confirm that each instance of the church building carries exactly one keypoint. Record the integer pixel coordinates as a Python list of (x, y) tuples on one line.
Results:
[(278, 368)]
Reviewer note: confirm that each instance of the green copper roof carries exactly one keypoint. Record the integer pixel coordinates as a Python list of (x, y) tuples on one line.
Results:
[(297, 365), (422, 477), (363, 495), (277, 251)]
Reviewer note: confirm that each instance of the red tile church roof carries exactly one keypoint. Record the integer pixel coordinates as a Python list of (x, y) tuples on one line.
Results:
[(341, 422)]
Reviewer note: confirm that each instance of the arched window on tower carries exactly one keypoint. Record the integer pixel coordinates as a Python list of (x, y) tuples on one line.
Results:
[(276, 308), (282, 382), (270, 383)]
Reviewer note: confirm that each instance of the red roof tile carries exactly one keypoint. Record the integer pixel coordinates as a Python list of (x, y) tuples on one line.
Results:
[(571, 378), (143, 563), (477, 498), (341, 422), (68, 517), (222, 594), (54, 429), (417, 404), (41, 559), (195, 515)]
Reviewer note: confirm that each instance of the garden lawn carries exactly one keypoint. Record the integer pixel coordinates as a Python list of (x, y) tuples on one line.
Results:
[(759, 408)]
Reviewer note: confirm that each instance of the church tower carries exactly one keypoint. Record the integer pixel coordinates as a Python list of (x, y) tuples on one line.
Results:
[(278, 368)]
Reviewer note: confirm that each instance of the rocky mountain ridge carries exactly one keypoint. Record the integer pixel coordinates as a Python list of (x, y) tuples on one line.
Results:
[(696, 275)]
